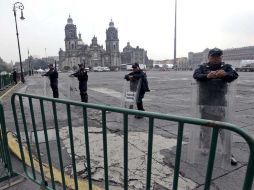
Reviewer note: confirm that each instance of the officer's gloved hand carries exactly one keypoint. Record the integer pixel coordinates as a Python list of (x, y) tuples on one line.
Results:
[(126, 77)]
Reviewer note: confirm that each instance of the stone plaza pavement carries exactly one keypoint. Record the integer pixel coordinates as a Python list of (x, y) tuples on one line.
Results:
[(192, 174)]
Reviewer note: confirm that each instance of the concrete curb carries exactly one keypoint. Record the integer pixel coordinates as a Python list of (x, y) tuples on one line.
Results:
[(8, 91), (69, 182)]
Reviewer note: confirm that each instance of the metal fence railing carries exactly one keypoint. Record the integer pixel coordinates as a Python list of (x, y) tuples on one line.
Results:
[(5, 81), (30, 114), (5, 160)]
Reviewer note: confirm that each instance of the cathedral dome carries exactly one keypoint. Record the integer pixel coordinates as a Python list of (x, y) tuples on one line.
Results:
[(111, 24), (69, 20)]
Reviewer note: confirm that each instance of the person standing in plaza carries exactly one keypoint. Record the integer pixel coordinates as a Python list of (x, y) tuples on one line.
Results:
[(14, 76), (53, 77), (82, 76), (213, 78), (135, 75)]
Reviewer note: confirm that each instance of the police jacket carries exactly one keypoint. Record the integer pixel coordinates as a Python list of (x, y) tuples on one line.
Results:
[(201, 73), (14, 74), (139, 75), (81, 75), (53, 75), (213, 91)]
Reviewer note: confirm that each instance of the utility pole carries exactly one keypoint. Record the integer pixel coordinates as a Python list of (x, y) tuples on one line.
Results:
[(175, 34)]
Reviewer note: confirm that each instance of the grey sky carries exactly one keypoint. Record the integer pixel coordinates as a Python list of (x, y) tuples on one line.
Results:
[(148, 24)]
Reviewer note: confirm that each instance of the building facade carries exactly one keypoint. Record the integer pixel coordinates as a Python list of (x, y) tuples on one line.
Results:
[(181, 63), (77, 52), (132, 55), (233, 56)]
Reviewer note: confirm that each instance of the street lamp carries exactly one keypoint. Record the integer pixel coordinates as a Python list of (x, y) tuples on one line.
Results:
[(175, 35), (19, 6)]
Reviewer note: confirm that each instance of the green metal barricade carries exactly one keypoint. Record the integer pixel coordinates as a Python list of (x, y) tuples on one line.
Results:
[(24, 107), (5, 160), (5, 81)]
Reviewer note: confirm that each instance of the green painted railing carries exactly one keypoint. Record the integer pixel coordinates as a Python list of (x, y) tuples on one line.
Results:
[(5, 80), (5, 165), (23, 108)]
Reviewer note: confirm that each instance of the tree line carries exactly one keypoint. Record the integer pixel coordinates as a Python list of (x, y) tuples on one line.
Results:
[(5, 66)]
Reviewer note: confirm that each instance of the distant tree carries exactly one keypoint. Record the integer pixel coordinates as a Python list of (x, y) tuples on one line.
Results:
[(38, 63), (4, 66)]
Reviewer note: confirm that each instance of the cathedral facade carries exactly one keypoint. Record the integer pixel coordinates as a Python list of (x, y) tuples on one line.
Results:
[(93, 55)]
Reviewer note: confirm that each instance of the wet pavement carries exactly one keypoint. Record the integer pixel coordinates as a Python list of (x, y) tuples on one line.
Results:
[(171, 93)]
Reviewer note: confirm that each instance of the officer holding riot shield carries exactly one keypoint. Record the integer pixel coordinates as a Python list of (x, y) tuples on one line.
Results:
[(53, 77), (137, 75), (213, 85)]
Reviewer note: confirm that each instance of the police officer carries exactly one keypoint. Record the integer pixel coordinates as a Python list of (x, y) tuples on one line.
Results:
[(53, 77), (82, 76), (138, 74), (215, 68), (213, 78), (14, 76)]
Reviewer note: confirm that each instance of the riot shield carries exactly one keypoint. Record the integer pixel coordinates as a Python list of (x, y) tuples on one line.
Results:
[(211, 100), (47, 89), (73, 88), (130, 94)]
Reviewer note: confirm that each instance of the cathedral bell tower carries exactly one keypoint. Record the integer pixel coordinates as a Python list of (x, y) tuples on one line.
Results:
[(112, 46), (71, 39)]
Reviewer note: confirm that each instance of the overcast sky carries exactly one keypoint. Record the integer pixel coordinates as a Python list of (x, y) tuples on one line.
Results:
[(148, 24)]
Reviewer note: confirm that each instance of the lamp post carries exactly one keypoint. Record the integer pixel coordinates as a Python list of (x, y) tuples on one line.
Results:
[(19, 6), (175, 35)]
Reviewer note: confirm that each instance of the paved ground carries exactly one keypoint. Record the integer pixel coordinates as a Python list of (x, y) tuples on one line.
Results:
[(171, 93)]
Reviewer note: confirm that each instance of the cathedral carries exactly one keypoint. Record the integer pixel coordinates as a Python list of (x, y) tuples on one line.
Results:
[(93, 55)]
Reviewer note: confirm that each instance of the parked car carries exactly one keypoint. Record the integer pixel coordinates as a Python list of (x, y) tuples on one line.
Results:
[(106, 69), (97, 69)]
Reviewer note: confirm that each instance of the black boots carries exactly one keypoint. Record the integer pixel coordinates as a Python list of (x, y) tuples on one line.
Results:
[(141, 108), (84, 97)]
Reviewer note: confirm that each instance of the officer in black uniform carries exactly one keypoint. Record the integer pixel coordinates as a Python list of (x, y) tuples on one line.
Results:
[(138, 74), (82, 76), (213, 78), (53, 77), (215, 68), (14, 76)]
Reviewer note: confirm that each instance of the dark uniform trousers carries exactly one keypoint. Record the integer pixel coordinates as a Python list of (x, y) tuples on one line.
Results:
[(54, 87), (140, 102), (83, 91)]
